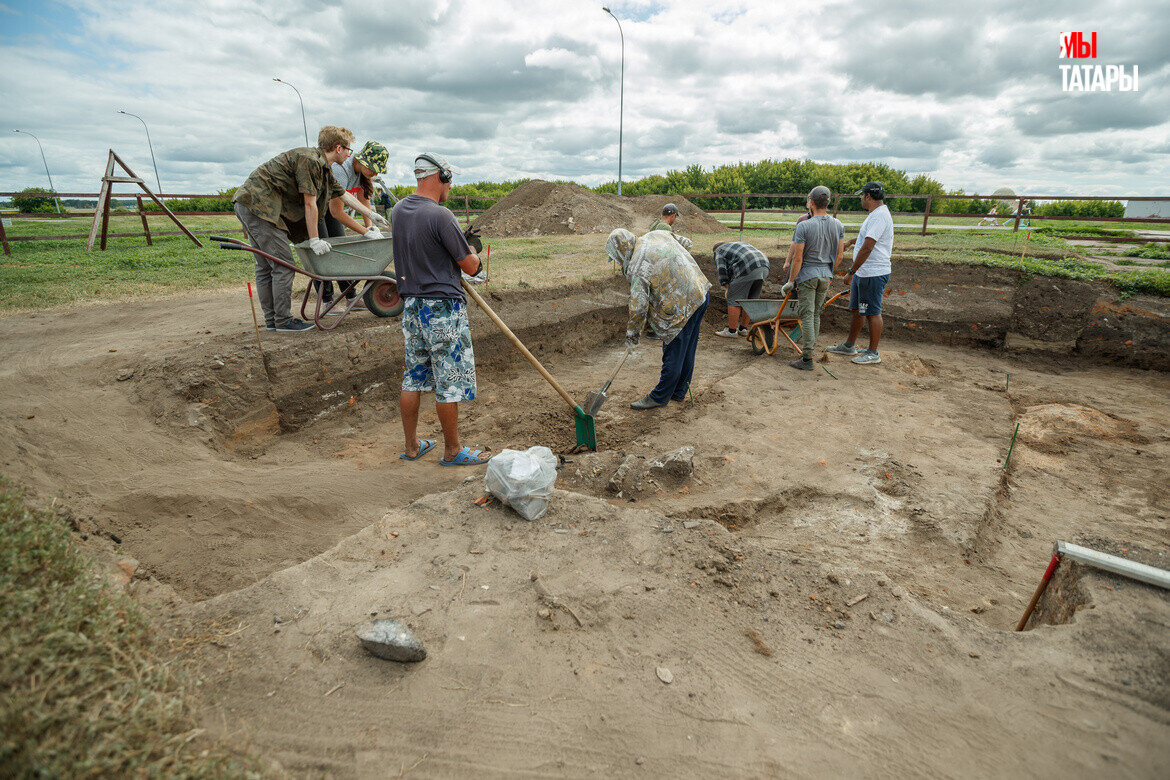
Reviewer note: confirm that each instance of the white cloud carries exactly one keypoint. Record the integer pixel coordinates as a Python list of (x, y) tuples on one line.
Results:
[(511, 88)]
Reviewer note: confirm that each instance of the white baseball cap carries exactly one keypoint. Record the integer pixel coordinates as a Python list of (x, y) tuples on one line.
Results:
[(428, 164)]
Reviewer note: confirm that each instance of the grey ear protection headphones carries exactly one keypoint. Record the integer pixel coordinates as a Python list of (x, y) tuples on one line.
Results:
[(444, 172)]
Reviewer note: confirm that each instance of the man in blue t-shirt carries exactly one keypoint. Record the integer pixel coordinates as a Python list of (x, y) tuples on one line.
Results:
[(430, 254), (868, 275)]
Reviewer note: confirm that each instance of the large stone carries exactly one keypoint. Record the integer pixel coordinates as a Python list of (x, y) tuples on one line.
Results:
[(676, 466), (391, 640)]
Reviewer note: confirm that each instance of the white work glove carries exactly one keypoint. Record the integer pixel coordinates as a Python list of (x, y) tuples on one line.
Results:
[(319, 246), (631, 343), (372, 233), (479, 278), (787, 288), (686, 242), (379, 221)]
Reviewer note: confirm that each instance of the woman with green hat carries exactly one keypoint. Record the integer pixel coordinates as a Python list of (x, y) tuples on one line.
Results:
[(356, 177)]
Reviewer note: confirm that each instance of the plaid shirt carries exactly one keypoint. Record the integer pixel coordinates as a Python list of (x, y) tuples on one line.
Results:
[(736, 259)]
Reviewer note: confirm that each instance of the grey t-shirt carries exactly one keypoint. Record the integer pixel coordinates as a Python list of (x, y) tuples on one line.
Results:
[(819, 234), (428, 245), (346, 176)]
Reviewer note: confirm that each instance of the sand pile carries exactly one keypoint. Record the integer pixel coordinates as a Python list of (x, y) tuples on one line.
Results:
[(540, 207)]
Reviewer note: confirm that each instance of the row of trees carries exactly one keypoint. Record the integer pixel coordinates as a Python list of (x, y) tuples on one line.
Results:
[(766, 176)]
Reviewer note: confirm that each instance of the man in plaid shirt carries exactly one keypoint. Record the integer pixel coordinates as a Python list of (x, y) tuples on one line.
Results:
[(742, 269)]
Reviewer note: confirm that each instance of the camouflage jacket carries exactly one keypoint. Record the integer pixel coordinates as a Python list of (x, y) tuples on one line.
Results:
[(666, 284), (274, 192)]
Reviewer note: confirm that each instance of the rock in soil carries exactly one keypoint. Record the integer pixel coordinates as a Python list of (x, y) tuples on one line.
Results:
[(391, 640)]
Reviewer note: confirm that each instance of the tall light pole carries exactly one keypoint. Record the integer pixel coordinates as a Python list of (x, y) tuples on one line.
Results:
[(52, 189), (621, 98), (150, 146), (303, 122)]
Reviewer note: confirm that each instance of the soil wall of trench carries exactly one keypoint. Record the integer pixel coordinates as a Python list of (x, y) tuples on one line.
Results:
[(1010, 310), (221, 389)]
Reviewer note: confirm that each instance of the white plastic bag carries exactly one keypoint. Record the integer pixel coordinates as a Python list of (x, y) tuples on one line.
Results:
[(523, 480)]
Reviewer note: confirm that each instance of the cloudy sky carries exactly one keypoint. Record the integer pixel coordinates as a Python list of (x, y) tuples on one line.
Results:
[(968, 93)]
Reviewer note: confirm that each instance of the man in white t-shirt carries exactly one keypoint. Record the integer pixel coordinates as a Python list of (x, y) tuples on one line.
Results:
[(869, 273)]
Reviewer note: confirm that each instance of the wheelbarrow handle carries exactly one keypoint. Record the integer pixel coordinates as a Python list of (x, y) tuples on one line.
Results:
[(225, 239)]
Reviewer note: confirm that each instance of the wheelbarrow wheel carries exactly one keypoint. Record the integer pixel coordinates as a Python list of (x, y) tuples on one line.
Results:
[(383, 300), (761, 337)]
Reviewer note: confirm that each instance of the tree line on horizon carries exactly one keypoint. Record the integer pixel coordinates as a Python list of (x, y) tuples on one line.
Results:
[(789, 175)]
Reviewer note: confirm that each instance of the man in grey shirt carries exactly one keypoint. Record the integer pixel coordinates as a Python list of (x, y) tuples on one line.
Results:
[(819, 243)]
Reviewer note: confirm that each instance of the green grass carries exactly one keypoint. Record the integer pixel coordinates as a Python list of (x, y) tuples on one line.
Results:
[(43, 274), (1150, 251), (86, 692)]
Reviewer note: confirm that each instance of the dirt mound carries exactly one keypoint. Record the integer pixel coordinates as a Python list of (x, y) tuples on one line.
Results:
[(1052, 427), (542, 207)]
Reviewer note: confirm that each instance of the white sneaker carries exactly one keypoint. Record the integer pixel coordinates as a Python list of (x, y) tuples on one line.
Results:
[(728, 333)]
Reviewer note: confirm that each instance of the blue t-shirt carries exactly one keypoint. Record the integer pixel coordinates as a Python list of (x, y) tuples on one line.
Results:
[(428, 246)]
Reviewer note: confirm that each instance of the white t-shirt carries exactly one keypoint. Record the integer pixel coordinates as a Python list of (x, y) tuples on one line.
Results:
[(879, 226), (346, 176)]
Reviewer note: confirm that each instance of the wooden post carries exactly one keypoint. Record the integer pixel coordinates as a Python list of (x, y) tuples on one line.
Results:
[(742, 211), (145, 227), (4, 237), (836, 203), (102, 204), (1019, 215), (926, 213), (466, 211)]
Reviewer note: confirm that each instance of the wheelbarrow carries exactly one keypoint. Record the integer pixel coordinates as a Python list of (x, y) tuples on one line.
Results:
[(771, 318), (361, 260)]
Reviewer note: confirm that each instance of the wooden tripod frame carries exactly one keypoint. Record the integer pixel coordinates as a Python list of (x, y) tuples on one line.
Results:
[(101, 214)]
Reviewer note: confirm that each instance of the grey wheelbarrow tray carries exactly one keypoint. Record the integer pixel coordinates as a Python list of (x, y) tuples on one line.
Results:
[(367, 262), (352, 259), (769, 317)]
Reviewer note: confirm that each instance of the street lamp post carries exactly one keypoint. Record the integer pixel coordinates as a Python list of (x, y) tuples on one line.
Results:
[(150, 146), (303, 122), (52, 189), (621, 98)]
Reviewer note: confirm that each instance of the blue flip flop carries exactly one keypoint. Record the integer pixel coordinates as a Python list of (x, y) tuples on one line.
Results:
[(424, 446), (466, 457)]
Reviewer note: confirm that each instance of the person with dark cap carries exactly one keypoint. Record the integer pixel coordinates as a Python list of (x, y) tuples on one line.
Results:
[(869, 274), (818, 244), (666, 222)]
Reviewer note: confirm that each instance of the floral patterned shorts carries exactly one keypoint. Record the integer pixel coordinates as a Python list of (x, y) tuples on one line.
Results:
[(438, 349)]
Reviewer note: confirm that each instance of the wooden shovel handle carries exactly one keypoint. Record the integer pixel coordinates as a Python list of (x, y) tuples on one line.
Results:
[(519, 345)]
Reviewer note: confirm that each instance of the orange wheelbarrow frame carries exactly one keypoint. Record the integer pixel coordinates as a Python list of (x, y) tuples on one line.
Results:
[(764, 333)]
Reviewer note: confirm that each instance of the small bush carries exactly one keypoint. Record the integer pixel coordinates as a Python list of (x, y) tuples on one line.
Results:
[(34, 200)]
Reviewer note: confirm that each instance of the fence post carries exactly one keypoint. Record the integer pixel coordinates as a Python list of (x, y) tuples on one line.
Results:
[(836, 203), (4, 237), (145, 227), (742, 211), (1019, 214), (926, 214), (466, 211)]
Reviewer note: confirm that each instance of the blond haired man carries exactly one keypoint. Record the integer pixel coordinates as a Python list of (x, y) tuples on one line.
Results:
[(283, 201)]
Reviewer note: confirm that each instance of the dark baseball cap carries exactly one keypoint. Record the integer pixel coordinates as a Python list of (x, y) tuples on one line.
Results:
[(875, 189)]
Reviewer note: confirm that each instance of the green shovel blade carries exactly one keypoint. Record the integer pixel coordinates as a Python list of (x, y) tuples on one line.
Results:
[(586, 432)]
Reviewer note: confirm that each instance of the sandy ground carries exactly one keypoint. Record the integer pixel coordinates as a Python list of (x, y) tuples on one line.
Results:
[(885, 481)]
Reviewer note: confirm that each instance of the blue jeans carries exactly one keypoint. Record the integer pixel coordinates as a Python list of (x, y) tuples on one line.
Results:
[(678, 360)]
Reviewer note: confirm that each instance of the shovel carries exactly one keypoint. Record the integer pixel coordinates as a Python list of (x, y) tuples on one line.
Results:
[(585, 429), (596, 398)]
